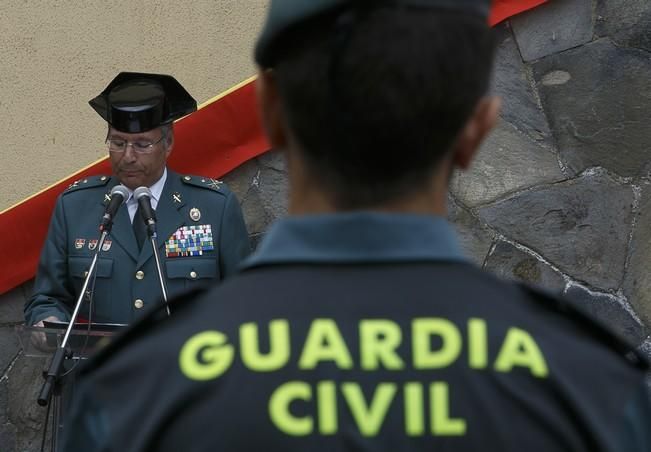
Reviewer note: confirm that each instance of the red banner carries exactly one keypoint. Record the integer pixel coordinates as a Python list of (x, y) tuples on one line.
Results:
[(224, 133), (503, 9)]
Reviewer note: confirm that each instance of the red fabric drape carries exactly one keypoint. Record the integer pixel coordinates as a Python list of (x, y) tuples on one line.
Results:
[(213, 141), (503, 9)]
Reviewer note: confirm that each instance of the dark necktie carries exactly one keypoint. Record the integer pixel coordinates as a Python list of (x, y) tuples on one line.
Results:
[(139, 228)]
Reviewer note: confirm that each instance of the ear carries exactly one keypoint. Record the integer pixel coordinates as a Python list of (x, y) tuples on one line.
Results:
[(270, 108), (170, 141), (479, 125)]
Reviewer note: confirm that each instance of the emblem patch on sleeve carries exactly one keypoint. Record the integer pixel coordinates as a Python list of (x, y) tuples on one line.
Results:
[(190, 241)]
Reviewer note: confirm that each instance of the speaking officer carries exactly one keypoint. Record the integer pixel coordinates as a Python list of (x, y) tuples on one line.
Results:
[(358, 325), (201, 232)]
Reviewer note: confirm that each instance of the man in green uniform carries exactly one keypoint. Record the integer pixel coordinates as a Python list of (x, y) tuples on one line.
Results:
[(358, 325), (201, 232)]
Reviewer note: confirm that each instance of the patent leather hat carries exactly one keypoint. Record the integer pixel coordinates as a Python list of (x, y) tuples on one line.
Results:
[(137, 102)]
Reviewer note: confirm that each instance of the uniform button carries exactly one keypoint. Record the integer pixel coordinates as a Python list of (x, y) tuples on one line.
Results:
[(138, 303), (103, 178), (140, 274), (193, 274), (187, 178), (85, 273)]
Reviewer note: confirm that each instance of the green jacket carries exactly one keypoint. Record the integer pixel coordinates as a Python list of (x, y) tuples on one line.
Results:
[(127, 281)]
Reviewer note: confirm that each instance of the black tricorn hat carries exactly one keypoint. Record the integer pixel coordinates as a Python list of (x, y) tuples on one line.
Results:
[(136, 102)]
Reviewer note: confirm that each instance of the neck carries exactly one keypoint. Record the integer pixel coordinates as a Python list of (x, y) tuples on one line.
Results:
[(308, 198)]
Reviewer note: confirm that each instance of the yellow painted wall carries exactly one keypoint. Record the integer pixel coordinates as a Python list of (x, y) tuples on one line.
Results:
[(55, 55)]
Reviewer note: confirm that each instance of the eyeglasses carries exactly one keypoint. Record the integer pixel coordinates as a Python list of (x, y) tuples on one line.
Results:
[(139, 147)]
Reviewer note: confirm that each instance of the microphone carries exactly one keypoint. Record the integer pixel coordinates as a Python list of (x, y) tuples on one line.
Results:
[(119, 195), (143, 196)]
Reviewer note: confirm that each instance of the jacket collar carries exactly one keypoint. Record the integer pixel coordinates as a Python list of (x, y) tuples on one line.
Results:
[(358, 237)]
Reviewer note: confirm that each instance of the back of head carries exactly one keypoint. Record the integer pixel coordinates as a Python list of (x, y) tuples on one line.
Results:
[(374, 93)]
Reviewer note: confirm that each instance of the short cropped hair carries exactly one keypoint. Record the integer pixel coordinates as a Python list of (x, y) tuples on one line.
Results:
[(376, 107)]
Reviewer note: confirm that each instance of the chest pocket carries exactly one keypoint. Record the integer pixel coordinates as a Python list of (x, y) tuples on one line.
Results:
[(191, 269), (103, 302)]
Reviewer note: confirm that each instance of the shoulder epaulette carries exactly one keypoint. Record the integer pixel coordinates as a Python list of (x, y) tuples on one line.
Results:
[(87, 182), (206, 182), (595, 326)]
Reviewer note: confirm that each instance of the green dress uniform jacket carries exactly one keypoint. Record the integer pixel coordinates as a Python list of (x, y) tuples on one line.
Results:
[(127, 281), (364, 332)]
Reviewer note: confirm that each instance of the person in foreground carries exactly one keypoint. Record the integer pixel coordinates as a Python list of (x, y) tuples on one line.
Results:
[(139, 109), (358, 324)]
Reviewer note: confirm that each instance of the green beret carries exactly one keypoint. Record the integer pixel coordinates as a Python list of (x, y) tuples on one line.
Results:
[(285, 14)]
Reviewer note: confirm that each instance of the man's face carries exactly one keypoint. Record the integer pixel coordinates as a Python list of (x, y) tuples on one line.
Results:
[(135, 169)]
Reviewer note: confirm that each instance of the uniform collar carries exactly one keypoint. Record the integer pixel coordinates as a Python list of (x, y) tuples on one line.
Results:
[(359, 237), (157, 188)]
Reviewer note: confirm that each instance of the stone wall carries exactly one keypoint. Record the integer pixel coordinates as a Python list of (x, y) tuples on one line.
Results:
[(560, 194)]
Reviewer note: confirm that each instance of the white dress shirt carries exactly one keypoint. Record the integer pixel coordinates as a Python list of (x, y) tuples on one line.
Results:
[(156, 191)]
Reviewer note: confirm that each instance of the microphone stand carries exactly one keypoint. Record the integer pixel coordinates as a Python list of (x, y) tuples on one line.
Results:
[(151, 232), (53, 376), (54, 372)]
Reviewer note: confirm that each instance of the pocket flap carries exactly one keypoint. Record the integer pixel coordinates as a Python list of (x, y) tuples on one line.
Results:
[(79, 266), (191, 268)]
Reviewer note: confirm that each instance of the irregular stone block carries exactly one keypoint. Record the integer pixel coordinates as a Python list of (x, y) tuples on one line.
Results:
[(508, 161), (627, 22), (507, 261), (28, 288), (4, 399), (581, 226), (257, 218), (273, 186), (598, 101), (245, 182), (241, 178), (7, 437), (610, 310), (274, 159), (637, 285), (25, 381), (645, 348), (553, 27), (512, 83), (11, 306), (9, 347), (475, 240)]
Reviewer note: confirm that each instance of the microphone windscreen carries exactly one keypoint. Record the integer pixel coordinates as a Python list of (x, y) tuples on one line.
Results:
[(120, 190), (140, 192)]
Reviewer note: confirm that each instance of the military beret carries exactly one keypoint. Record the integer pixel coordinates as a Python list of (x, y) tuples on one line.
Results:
[(136, 102), (285, 14)]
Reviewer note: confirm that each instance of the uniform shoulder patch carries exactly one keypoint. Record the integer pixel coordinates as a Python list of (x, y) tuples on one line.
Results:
[(206, 182), (87, 182)]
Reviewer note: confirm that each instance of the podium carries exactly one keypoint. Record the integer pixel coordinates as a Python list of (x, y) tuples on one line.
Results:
[(85, 340)]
